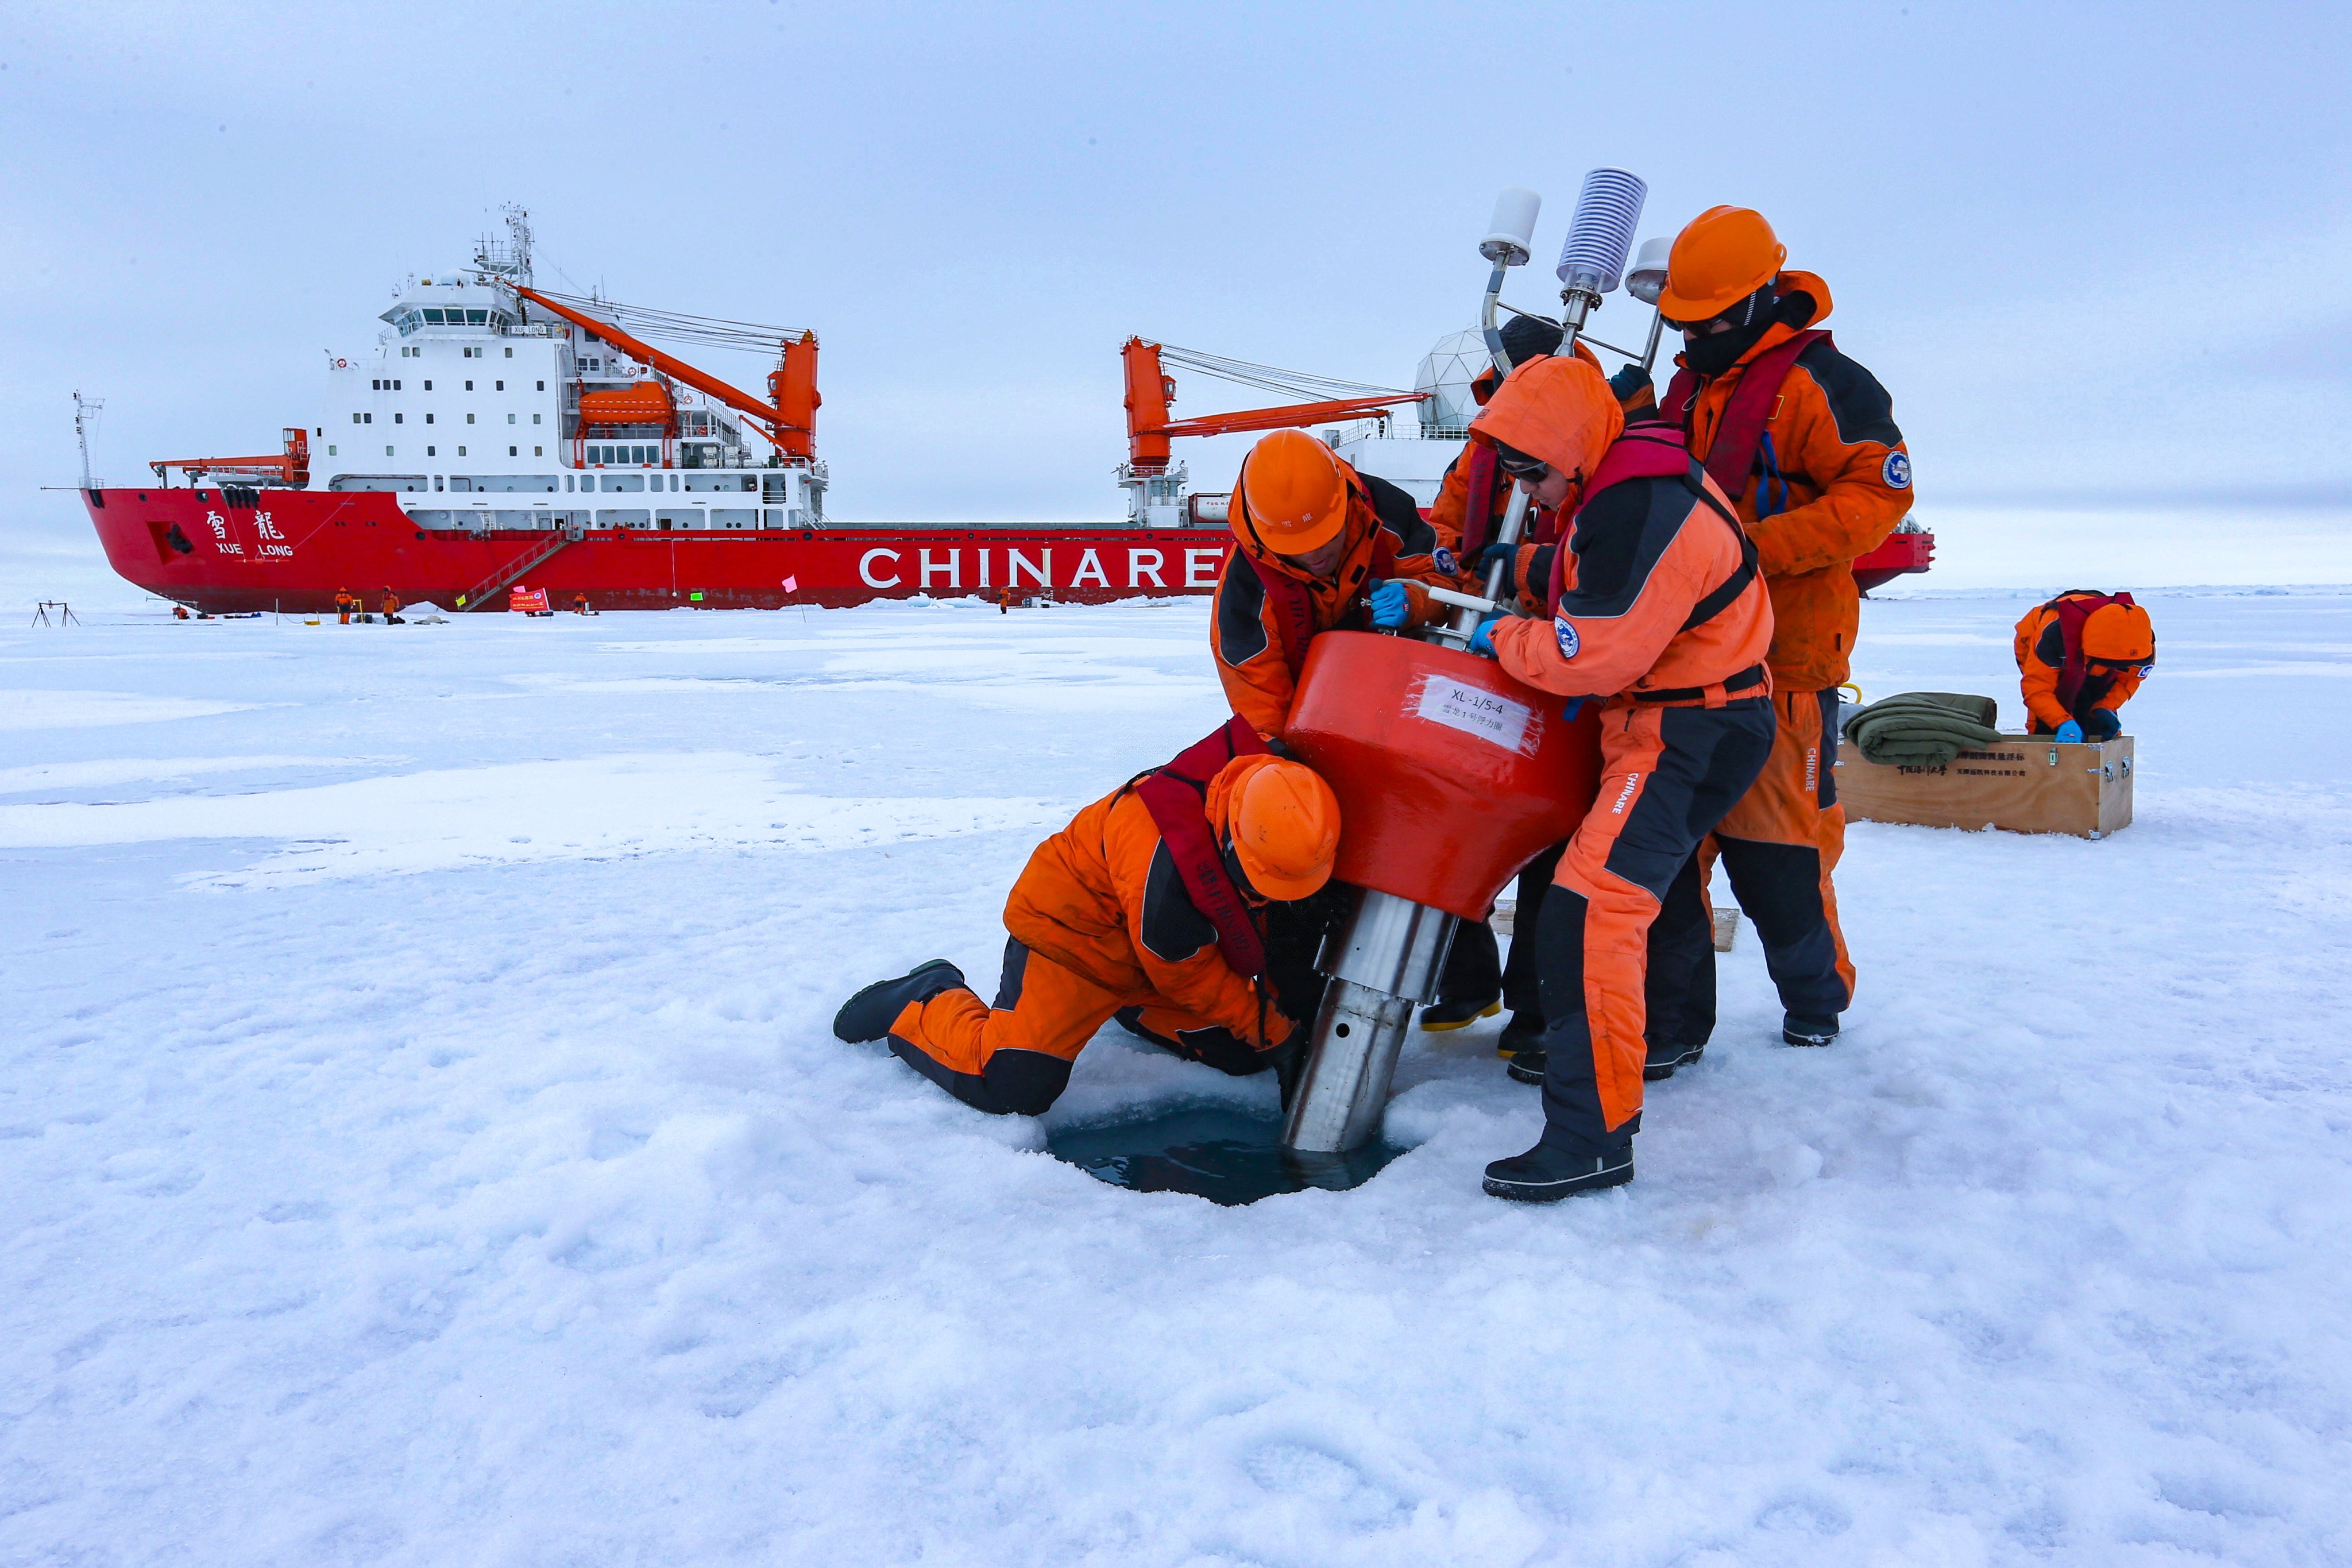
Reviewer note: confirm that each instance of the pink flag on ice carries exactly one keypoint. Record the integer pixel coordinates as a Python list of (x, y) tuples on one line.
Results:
[(792, 585)]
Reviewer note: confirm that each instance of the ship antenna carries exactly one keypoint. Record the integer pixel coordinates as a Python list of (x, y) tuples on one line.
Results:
[(512, 260), (519, 240), (86, 413)]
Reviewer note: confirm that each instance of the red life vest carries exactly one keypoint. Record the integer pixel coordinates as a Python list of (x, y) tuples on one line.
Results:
[(1478, 503), (1294, 608), (1733, 454), (2072, 610), (1176, 794), (1651, 452)]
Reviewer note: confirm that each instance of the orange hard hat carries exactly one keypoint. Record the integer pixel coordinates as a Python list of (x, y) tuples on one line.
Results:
[(2119, 634), (1293, 493), (1284, 823), (1720, 258)]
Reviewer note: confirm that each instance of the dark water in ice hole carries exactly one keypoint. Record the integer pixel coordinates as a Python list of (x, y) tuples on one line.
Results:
[(1223, 1153)]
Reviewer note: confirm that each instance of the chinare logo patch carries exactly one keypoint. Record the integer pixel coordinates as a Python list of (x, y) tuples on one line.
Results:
[(1442, 559), (1569, 641), (1896, 473)]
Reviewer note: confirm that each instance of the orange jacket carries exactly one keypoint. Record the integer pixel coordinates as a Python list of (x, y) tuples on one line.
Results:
[(1642, 554), (1103, 898), (2041, 650), (1830, 481), (1258, 651), (1449, 513)]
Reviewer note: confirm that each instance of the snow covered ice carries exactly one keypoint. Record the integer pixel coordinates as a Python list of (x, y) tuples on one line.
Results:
[(423, 1142)]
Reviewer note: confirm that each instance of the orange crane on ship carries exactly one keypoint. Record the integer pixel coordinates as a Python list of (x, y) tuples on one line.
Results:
[(786, 419), (1150, 389), (291, 467)]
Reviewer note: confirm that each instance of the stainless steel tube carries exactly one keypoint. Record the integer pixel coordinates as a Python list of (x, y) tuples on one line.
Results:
[(1384, 960)]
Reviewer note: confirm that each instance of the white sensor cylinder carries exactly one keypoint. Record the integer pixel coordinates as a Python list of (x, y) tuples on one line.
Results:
[(1512, 231), (1647, 279), (1601, 233)]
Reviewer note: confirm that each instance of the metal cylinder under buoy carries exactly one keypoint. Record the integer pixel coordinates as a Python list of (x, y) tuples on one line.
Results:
[(1383, 962)]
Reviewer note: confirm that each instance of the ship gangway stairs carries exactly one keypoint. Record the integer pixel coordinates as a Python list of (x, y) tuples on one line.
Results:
[(484, 593)]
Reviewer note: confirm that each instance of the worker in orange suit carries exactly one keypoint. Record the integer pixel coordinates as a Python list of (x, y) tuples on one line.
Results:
[(391, 608), (1653, 606), (1467, 513), (1322, 547), (1804, 441), (2080, 658), (345, 603), (1154, 899)]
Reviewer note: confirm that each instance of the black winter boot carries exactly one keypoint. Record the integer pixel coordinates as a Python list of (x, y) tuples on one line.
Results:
[(1797, 1030), (868, 1015), (1528, 1066), (1525, 1032), (1664, 1059), (1545, 1175)]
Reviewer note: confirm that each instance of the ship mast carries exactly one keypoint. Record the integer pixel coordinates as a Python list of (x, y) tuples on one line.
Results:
[(86, 413)]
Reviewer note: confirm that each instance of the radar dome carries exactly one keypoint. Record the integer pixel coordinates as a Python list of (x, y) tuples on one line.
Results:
[(1446, 374)]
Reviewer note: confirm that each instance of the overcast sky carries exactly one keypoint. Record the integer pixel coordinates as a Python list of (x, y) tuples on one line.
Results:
[(2098, 253)]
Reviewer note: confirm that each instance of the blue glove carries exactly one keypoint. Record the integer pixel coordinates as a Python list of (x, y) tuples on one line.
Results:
[(1392, 606), (1508, 555), (1481, 641), (2070, 730)]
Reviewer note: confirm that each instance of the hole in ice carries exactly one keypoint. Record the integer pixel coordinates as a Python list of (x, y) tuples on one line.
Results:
[(1221, 1152)]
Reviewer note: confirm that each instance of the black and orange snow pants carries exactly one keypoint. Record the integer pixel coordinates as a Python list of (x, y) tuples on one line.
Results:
[(1778, 846), (1013, 1057), (1667, 775)]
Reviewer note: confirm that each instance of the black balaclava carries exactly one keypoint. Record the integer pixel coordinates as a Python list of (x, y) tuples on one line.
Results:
[(1712, 353)]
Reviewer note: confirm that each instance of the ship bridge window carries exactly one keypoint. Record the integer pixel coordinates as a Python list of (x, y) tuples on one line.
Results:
[(612, 457), (625, 481), (394, 482)]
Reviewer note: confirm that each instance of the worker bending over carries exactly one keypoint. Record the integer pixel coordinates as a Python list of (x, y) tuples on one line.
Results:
[(1655, 608), (1154, 898), (1804, 442), (1315, 539), (2080, 658)]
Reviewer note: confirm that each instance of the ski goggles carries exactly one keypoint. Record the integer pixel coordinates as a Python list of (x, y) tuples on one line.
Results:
[(1520, 465)]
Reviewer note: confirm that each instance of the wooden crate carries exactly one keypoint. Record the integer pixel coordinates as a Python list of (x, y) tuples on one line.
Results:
[(2024, 784)]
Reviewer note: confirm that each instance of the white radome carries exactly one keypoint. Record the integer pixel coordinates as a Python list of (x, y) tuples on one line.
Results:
[(1446, 371)]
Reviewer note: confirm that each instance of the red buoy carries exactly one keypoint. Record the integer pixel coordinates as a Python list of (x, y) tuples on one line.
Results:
[(1451, 775)]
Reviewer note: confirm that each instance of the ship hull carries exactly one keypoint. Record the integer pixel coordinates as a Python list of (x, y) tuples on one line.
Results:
[(227, 551)]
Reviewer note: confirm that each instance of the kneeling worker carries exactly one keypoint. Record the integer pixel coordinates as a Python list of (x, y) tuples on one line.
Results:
[(2079, 657), (1655, 609), (1153, 898)]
